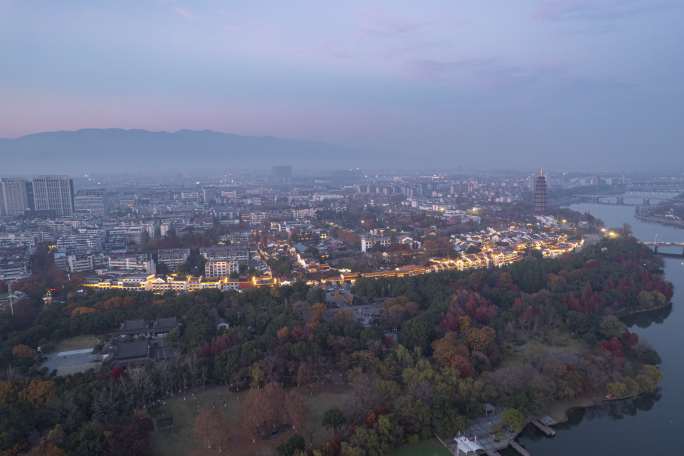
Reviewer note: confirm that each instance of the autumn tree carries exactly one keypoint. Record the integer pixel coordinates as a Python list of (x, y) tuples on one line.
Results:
[(296, 410), (396, 310), (262, 410), (38, 392), (612, 327), (23, 351)]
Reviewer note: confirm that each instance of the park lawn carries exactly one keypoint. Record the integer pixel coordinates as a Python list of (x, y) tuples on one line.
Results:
[(319, 399), (77, 343), (180, 439), (560, 344)]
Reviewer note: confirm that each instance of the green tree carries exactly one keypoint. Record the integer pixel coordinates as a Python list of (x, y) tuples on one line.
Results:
[(617, 389), (292, 446), (648, 379), (416, 332), (611, 326), (334, 419), (513, 419)]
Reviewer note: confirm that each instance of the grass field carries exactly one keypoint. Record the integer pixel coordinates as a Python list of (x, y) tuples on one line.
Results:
[(76, 343), (180, 439)]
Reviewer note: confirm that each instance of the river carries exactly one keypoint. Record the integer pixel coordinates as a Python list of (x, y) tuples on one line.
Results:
[(650, 425)]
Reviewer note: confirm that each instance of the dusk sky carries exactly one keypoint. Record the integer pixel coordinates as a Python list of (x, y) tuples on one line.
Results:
[(572, 84)]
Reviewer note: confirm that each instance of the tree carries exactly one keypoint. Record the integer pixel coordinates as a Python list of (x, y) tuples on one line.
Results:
[(46, 448), (83, 310), (38, 392), (396, 310), (296, 411), (416, 332), (480, 339), (611, 326), (529, 274), (132, 439), (513, 419), (23, 351), (194, 265), (334, 419), (262, 410), (292, 446), (648, 379), (617, 390)]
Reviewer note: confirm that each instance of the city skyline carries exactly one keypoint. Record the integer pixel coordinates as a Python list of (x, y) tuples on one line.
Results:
[(341, 228)]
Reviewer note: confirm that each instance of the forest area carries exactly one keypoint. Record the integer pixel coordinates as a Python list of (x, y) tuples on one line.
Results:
[(444, 345)]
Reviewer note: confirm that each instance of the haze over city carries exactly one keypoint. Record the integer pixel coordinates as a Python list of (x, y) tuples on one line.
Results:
[(563, 84), (352, 228)]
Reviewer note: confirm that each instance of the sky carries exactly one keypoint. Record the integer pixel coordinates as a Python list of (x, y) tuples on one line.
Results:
[(566, 84)]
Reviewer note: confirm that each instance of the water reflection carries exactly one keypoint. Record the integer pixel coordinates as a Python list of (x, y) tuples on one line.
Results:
[(647, 424), (645, 319)]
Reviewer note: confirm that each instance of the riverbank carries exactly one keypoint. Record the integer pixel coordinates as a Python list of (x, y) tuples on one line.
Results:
[(649, 424), (660, 220), (559, 410), (632, 313)]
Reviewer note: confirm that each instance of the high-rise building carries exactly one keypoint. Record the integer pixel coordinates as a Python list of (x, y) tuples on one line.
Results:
[(540, 193), (14, 196), (54, 194), (281, 174), (90, 201)]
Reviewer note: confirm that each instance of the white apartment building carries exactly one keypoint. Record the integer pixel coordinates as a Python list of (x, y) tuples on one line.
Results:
[(220, 268)]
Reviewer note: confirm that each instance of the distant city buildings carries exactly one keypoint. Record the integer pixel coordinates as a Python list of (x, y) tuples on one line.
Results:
[(540, 189), (14, 196), (220, 268), (138, 263), (54, 194), (14, 264), (265, 231), (90, 201), (172, 258), (370, 241), (238, 253), (281, 174)]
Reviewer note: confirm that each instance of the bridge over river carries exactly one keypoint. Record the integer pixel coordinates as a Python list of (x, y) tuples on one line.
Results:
[(645, 199), (657, 245)]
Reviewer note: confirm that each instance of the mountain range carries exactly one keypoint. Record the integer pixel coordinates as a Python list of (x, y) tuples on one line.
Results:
[(133, 151)]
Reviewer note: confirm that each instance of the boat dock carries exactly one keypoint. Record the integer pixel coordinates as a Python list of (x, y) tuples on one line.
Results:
[(543, 428), (517, 447), (480, 438)]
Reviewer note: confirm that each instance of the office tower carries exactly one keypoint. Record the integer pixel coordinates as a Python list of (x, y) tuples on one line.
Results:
[(281, 174), (13, 196), (55, 194), (90, 201), (540, 193)]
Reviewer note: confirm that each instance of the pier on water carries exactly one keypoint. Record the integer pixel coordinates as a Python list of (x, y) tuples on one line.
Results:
[(517, 447), (546, 430), (483, 442)]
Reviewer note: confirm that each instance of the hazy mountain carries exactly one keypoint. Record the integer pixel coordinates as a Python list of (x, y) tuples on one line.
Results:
[(117, 150)]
